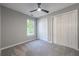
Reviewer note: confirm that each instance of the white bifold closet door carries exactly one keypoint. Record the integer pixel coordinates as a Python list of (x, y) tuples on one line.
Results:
[(65, 29)]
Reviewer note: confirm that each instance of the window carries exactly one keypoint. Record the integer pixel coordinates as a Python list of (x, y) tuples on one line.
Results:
[(30, 27)]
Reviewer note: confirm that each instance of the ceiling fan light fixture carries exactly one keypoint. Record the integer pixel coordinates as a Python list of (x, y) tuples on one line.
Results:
[(39, 9)]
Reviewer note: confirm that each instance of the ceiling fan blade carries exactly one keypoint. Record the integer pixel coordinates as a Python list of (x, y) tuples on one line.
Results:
[(33, 10), (38, 5), (45, 11)]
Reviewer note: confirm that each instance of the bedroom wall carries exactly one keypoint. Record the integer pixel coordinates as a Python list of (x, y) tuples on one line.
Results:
[(0, 30), (44, 28), (50, 28), (70, 8), (51, 19), (13, 27), (42, 31)]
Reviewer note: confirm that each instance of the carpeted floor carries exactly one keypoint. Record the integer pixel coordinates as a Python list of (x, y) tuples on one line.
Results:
[(39, 48)]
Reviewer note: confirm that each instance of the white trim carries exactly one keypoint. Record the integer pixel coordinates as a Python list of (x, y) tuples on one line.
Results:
[(50, 41), (46, 41), (16, 44)]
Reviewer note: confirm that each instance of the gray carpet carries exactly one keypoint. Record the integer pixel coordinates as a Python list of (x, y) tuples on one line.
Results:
[(39, 48)]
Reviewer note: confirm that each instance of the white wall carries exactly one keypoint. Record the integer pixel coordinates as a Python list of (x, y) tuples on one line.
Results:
[(0, 30), (42, 29), (45, 28), (13, 28), (51, 22), (65, 29), (50, 28)]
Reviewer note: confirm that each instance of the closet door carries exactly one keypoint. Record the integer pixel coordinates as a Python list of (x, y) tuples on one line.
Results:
[(70, 29), (72, 23), (65, 29), (58, 30)]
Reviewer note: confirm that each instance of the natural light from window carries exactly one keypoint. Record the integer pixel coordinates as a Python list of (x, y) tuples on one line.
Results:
[(30, 27)]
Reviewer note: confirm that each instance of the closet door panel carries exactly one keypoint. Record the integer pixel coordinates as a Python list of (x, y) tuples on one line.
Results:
[(73, 21), (65, 31), (58, 30)]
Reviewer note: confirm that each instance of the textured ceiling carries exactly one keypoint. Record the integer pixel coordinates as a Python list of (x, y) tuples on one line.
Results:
[(26, 7)]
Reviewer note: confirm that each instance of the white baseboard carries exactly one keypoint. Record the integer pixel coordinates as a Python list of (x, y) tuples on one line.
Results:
[(50, 41), (16, 44), (46, 41)]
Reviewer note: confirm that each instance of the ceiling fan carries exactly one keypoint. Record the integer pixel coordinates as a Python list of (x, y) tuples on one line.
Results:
[(40, 9)]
